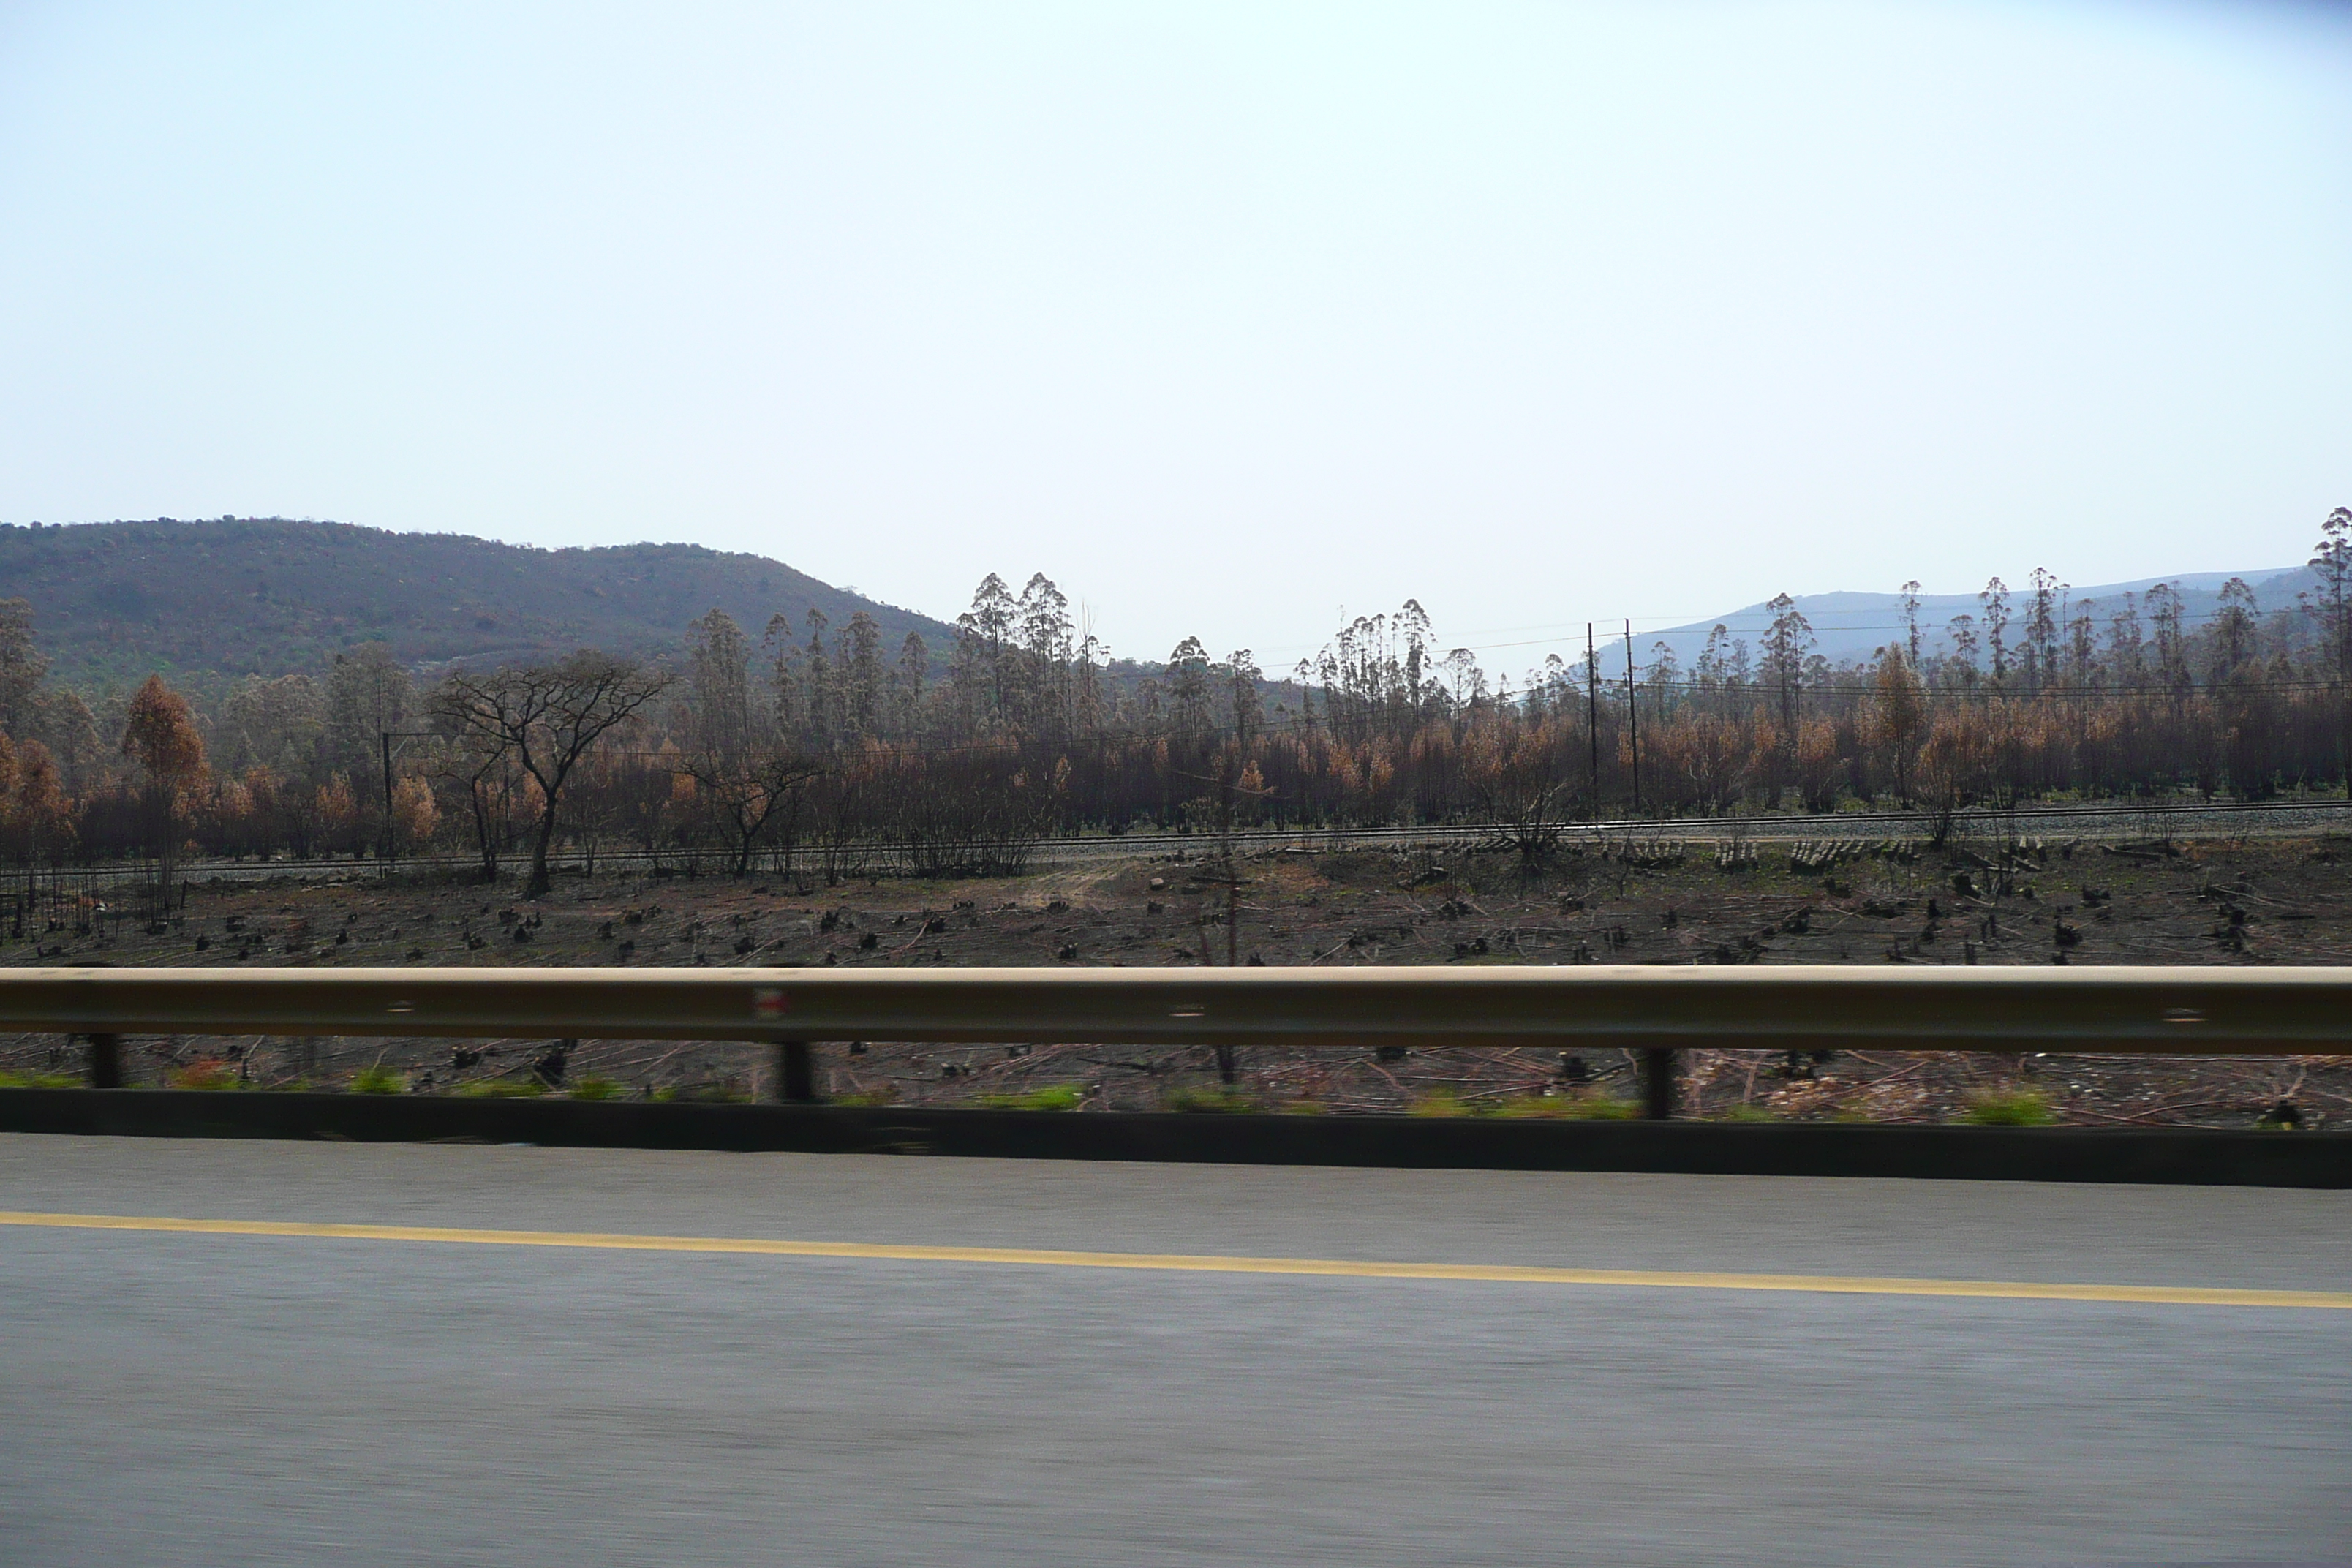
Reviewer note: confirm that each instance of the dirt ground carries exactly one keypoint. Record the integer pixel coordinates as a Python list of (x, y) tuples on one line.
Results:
[(2211, 902)]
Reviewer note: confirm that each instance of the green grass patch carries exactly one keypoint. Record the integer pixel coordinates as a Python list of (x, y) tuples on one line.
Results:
[(209, 1077), (2010, 1107), (1565, 1107), (701, 1094), (1052, 1097), (503, 1089), (1208, 1100), (1443, 1103), (594, 1088), (38, 1080), (378, 1079)]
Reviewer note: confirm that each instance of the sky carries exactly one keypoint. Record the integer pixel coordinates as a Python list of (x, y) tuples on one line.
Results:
[(1235, 319)]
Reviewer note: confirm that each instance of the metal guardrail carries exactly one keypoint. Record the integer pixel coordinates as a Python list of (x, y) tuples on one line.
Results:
[(1658, 1010)]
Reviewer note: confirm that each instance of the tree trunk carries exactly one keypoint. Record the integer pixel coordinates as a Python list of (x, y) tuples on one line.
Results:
[(163, 848), (539, 880), (483, 838)]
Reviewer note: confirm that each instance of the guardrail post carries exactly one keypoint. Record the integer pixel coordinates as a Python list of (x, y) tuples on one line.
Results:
[(795, 1071), (106, 1061), (1658, 1079)]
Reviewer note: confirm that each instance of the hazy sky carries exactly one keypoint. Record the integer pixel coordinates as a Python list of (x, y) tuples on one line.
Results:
[(1223, 316)]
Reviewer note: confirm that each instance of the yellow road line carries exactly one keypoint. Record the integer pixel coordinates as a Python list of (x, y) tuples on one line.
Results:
[(1338, 1267)]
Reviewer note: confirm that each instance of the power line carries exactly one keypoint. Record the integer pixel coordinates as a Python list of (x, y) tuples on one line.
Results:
[(1694, 693), (1931, 632)]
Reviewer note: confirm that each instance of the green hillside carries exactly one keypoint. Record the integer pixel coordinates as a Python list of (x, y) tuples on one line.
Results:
[(207, 602)]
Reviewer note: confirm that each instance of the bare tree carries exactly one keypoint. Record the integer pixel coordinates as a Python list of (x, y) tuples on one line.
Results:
[(369, 700), (547, 716), (483, 767), (1517, 775), (749, 790)]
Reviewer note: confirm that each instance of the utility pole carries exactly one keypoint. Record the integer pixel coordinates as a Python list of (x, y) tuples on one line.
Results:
[(384, 736), (1632, 720), (1593, 713)]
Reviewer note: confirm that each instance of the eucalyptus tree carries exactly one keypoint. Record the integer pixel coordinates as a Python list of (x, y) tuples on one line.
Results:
[(718, 717), (1994, 602), (2232, 640), (2126, 645), (1787, 643), (905, 685), (22, 667), (862, 696), (2330, 604), (2166, 614), (2042, 623)]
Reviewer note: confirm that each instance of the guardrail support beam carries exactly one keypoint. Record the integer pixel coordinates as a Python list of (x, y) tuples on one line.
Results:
[(795, 1071), (1658, 1082), (106, 1061)]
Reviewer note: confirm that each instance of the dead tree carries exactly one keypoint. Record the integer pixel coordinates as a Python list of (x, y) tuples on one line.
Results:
[(547, 717), (1514, 771), (749, 791)]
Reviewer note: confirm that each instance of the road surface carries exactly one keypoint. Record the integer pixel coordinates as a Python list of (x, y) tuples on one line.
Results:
[(423, 1391)]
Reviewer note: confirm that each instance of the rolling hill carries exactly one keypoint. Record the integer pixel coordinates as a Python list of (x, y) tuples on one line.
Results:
[(207, 602), (1852, 625)]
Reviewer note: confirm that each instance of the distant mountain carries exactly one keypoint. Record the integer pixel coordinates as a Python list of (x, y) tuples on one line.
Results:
[(207, 602), (1854, 625)]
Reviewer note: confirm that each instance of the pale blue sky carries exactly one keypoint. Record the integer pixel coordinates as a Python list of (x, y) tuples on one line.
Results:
[(1226, 317)]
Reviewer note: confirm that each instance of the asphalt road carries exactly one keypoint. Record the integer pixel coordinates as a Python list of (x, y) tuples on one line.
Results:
[(236, 1398)]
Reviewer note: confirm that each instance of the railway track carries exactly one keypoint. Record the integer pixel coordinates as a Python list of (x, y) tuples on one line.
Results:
[(2108, 822), (2112, 822)]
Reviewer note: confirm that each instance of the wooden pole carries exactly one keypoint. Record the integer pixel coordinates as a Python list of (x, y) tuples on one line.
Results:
[(384, 736), (1593, 713)]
